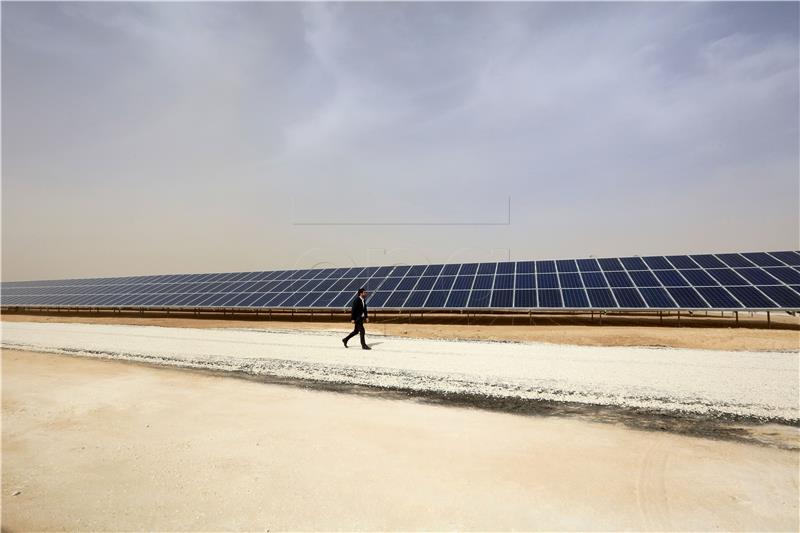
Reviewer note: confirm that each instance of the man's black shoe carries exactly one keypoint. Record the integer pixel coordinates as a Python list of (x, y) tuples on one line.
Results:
[(344, 341), (365, 347)]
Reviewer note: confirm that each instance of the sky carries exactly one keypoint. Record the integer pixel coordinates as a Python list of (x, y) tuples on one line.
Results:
[(155, 138)]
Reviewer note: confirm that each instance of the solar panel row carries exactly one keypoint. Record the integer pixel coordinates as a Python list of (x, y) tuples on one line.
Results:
[(759, 280)]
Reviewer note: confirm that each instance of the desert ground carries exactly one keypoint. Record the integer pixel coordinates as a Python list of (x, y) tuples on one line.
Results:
[(213, 425), (108, 445), (632, 332)]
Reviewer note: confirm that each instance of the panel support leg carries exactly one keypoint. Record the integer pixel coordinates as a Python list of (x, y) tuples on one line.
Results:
[(737, 317), (769, 325)]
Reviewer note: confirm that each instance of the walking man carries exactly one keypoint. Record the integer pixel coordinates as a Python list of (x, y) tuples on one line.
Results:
[(358, 314)]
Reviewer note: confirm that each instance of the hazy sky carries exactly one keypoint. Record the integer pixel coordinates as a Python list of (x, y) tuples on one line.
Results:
[(178, 137)]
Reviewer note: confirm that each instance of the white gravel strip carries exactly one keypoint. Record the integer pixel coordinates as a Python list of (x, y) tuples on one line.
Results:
[(750, 384)]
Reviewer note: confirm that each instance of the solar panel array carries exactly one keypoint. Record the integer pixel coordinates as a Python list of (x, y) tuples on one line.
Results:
[(732, 281)]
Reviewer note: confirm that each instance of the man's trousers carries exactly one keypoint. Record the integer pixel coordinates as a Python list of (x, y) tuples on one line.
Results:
[(357, 330)]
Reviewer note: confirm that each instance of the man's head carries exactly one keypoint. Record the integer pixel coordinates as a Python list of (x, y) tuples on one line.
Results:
[(362, 292)]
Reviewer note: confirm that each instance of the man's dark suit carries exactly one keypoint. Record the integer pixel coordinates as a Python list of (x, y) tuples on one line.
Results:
[(358, 314)]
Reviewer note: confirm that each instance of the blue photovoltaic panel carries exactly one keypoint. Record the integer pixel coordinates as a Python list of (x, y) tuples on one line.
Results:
[(686, 297), (752, 280), (502, 298), (479, 298), (483, 282), (619, 279), (657, 262), (783, 296), (525, 281), (656, 298), (670, 278), (727, 276), (525, 298), (505, 268), (567, 265), (416, 299), (436, 299), (425, 283), (762, 259), (751, 297), (699, 278), (416, 270), (633, 263), (610, 264), (406, 284), (503, 282), (734, 260), (388, 284), (457, 299), (378, 299), (644, 278), (594, 279), (718, 297), (789, 258), (526, 267), (575, 298), (545, 267), (468, 268), (601, 298), (629, 298), (757, 276), (487, 268), (450, 270), (433, 270), (570, 280), (785, 274), (397, 299), (463, 283), (547, 281), (444, 283), (549, 298), (708, 261), (681, 261), (588, 265)]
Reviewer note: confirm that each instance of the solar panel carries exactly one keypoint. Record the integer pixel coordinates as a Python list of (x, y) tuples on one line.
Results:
[(601, 298), (549, 298), (436, 299), (479, 298), (575, 298), (752, 280), (594, 279), (629, 298)]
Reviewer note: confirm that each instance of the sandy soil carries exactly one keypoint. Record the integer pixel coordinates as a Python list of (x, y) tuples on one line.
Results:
[(695, 337), (102, 445), (711, 384)]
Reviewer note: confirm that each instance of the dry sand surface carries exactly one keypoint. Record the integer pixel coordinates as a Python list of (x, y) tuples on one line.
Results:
[(107, 445), (711, 338), (712, 384)]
